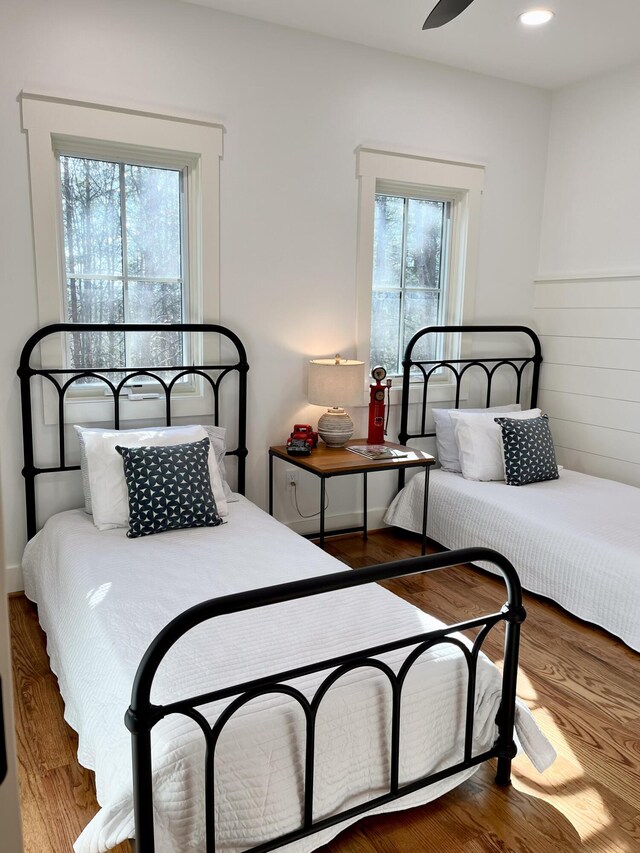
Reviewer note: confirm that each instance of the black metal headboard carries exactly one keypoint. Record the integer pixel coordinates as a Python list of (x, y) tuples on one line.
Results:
[(458, 367), (63, 378)]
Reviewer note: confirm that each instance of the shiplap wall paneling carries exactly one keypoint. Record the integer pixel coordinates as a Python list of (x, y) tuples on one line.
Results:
[(590, 379)]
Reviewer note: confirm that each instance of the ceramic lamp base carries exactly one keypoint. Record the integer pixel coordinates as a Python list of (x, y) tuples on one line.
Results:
[(335, 427)]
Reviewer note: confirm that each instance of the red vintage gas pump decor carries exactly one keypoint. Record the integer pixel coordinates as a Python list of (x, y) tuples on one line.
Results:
[(377, 405)]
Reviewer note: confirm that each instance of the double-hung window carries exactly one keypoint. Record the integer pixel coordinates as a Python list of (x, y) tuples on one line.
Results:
[(417, 243), (124, 259), (126, 224), (411, 246)]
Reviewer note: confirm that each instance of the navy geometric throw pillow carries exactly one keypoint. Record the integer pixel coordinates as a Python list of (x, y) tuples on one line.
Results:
[(529, 456), (169, 488)]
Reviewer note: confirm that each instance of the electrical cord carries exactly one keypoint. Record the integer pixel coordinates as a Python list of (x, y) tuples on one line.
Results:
[(294, 489), (386, 426)]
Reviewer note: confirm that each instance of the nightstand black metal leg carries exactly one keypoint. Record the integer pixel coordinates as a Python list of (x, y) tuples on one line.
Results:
[(322, 491), (270, 484), (425, 510), (364, 496)]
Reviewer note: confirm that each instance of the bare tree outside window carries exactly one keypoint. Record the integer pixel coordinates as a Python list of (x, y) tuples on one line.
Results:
[(123, 251)]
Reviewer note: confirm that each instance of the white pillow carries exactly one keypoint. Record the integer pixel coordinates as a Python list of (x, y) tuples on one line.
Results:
[(216, 436), (479, 441), (446, 444), (109, 499), (84, 467)]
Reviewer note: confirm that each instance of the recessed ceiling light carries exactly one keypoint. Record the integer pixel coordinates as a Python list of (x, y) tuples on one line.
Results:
[(536, 17)]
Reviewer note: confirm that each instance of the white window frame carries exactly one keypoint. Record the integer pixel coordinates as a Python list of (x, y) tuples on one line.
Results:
[(462, 184), (54, 125)]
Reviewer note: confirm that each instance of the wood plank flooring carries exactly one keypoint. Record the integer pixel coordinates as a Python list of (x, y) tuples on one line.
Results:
[(582, 685), (57, 795)]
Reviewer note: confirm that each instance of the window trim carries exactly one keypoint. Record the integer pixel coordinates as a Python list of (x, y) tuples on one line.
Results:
[(53, 124), (380, 170)]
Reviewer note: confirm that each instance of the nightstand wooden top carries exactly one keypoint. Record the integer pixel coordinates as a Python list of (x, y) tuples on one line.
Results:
[(328, 461)]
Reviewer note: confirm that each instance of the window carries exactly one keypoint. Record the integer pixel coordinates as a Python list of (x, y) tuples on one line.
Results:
[(124, 259), (410, 253), (417, 240), (121, 201)]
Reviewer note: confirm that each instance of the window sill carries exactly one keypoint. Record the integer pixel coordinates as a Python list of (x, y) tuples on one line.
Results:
[(90, 410), (439, 392)]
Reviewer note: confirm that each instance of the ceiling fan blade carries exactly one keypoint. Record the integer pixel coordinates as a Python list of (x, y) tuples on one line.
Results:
[(445, 11)]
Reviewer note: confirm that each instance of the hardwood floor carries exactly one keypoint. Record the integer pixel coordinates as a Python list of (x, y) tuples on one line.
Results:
[(57, 795), (582, 685)]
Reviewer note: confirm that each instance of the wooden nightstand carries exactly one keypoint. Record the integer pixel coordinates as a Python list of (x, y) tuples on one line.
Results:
[(326, 462)]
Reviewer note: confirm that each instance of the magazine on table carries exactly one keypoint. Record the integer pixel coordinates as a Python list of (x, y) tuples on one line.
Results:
[(377, 451)]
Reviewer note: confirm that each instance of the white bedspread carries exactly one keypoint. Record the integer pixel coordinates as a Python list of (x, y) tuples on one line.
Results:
[(102, 598), (575, 540)]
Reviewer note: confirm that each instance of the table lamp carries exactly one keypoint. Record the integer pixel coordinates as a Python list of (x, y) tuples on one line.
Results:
[(335, 382)]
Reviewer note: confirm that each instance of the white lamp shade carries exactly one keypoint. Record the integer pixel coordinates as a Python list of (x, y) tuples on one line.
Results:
[(336, 382)]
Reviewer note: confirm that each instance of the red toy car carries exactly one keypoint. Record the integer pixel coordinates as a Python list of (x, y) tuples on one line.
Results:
[(302, 440)]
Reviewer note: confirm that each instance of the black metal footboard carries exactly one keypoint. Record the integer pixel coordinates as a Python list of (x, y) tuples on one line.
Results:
[(142, 715)]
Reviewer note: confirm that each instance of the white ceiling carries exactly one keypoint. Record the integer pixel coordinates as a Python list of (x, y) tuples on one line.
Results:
[(586, 38)]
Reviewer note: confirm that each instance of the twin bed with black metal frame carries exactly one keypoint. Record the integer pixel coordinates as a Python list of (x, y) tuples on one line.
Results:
[(574, 539), (82, 590)]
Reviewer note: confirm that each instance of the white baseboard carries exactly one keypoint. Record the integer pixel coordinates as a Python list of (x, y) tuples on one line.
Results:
[(13, 581), (338, 522)]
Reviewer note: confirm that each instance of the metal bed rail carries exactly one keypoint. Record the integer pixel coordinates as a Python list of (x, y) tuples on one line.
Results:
[(143, 715)]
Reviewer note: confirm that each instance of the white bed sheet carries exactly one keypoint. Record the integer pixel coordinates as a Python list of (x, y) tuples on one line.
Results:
[(575, 540), (102, 598)]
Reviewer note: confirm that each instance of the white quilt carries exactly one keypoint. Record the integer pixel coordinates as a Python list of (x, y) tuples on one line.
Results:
[(102, 598), (575, 540)]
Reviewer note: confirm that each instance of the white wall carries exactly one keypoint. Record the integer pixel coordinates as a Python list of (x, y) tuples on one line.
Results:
[(587, 297), (294, 106)]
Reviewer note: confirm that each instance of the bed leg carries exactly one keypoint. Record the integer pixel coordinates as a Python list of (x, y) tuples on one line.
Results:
[(503, 773), (506, 748)]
